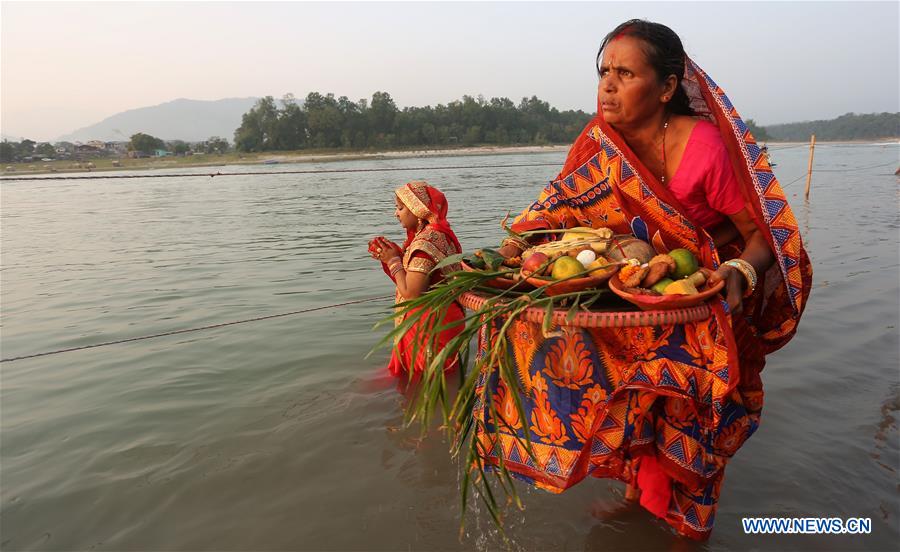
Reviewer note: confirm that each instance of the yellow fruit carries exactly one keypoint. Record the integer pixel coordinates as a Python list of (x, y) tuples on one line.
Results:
[(681, 287), (565, 267), (578, 233), (600, 267), (685, 263)]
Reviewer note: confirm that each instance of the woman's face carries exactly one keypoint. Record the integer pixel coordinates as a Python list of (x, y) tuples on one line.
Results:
[(406, 217), (630, 92)]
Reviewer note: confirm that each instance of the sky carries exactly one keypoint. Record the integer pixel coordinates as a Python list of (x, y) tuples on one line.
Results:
[(68, 65)]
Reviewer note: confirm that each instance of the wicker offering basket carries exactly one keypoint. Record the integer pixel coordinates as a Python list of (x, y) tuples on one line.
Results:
[(601, 319)]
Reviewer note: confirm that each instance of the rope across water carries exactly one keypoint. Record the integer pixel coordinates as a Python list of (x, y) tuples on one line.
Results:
[(188, 330), (318, 171)]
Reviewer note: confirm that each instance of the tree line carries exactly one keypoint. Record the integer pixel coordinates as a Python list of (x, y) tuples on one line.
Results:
[(145, 144), (338, 123), (850, 126), (13, 151), (324, 121)]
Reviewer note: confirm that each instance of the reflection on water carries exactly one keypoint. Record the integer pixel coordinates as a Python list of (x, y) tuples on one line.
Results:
[(282, 435)]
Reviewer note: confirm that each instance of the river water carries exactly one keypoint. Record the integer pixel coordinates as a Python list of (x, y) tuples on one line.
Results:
[(282, 435)]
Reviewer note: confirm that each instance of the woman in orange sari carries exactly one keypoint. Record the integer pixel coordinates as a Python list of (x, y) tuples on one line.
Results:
[(422, 212), (668, 159)]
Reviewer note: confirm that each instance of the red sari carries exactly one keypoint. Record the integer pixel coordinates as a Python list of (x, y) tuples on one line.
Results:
[(422, 251), (664, 407)]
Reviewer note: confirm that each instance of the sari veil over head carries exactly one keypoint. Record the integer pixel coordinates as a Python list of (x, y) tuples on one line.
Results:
[(651, 212), (428, 204)]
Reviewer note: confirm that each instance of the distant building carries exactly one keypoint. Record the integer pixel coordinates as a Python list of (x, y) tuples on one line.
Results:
[(120, 148), (88, 150), (162, 153)]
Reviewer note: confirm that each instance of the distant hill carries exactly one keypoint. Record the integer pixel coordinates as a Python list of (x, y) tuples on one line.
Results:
[(181, 119), (851, 126)]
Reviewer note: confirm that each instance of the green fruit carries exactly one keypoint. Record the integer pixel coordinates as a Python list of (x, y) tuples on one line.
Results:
[(660, 286), (685, 263), (565, 266)]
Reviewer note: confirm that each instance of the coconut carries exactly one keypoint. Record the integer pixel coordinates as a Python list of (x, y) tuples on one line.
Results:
[(628, 247)]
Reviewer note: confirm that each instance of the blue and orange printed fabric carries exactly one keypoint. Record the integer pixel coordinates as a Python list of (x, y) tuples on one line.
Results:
[(683, 397)]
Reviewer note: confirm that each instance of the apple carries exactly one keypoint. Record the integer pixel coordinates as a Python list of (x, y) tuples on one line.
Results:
[(535, 263)]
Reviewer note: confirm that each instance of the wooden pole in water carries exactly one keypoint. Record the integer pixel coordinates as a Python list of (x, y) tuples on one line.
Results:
[(812, 149)]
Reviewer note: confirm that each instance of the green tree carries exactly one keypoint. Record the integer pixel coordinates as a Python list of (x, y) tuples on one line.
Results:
[(8, 151), (849, 126), (45, 149), (26, 147), (382, 113), (259, 127), (215, 144), (145, 143), (472, 136), (757, 131), (180, 147), (323, 121), (291, 129)]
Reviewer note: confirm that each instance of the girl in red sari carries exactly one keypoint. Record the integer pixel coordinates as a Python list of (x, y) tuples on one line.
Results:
[(422, 211)]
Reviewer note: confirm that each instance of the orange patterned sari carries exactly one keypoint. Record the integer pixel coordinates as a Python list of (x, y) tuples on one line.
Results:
[(664, 407)]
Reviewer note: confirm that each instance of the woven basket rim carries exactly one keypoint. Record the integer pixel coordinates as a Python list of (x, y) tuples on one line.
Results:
[(597, 319)]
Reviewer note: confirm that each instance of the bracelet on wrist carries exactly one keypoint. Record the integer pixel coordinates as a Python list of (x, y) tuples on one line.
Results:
[(746, 269)]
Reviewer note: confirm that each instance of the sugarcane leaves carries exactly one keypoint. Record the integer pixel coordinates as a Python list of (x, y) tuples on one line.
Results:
[(548, 319), (447, 261), (471, 418), (509, 230), (573, 310)]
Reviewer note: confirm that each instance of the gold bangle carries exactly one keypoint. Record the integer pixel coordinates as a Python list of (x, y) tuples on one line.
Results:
[(746, 269)]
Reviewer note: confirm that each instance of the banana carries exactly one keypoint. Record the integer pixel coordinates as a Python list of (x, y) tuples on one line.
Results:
[(585, 232)]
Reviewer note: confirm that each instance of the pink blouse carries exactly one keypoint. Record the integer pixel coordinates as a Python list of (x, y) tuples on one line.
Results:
[(704, 182)]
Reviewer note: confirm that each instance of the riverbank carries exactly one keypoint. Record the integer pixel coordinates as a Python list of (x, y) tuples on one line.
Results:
[(261, 158), (314, 156)]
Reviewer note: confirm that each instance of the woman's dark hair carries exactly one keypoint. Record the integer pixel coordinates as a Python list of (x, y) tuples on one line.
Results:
[(664, 52)]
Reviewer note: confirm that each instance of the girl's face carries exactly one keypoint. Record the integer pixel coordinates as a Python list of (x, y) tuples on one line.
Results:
[(406, 217)]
